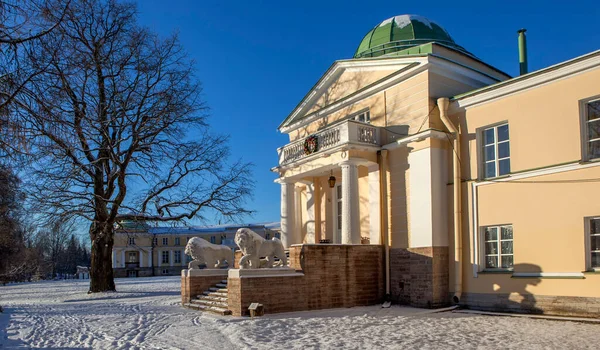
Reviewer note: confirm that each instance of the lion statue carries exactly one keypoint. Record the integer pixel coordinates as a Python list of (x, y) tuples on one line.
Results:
[(204, 252), (253, 246)]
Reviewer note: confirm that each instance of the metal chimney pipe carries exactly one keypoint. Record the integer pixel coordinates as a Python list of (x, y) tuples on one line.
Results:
[(522, 51)]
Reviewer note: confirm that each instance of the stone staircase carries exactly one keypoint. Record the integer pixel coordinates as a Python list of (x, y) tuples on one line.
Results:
[(213, 300)]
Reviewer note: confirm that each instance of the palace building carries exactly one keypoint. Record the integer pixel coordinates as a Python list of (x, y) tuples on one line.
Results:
[(141, 250), (481, 189)]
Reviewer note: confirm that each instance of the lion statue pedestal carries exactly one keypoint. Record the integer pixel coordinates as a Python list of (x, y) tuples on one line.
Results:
[(253, 246), (204, 252)]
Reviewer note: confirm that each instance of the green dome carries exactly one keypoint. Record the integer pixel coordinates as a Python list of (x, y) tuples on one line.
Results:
[(402, 32)]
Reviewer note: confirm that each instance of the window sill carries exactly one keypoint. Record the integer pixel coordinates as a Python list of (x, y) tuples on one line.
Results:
[(591, 272)]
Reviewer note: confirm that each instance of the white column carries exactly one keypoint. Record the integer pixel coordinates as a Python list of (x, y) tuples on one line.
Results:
[(114, 258), (374, 206), (141, 257), (183, 257), (123, 258), (288, 214), (298, 229), (150, 258), (159, 258), (350, 202), (310, 213), (171, 258)]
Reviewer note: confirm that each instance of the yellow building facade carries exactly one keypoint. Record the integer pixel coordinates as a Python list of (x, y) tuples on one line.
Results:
[(379, 144)]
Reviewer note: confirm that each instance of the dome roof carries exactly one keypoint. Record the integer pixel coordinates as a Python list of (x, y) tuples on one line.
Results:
[(402, 32)]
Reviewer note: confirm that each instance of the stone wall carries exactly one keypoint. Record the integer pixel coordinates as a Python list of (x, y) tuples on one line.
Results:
[(327, 276), (194, 282), (532, 304), (419, 276)]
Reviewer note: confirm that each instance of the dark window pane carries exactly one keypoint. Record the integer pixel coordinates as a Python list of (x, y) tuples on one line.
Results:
[(507, 232), (504, 150), (593, 110), (491, 234), (491, 248), (594, 149), (503, 133), (488, 136), (507, 247), (593, 130), (490, 169), (339, 192), (490, 153), (595, 259), (595, 226), (504, 167), (507, 262), (595, 242), (491, 262)]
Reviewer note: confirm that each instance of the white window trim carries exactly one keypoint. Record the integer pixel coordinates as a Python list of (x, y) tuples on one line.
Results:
[(584, 129), (165, 239), (481, 150), (481, 249), (177, 257), (162, 258), (588, 244)]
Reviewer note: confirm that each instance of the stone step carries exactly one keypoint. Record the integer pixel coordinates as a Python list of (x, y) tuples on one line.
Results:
[(211, 297), (209, 303), (218, 290), (212, 309), (221, 285), (216, 294), (224, 281)]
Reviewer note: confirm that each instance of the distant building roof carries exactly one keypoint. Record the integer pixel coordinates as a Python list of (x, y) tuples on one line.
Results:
[(212, 228)]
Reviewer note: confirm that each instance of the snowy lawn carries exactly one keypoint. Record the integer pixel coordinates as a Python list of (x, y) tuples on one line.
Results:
[(145, 313)]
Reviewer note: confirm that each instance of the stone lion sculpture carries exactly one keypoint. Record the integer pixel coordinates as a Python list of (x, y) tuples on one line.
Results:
[(253, 246), (204, 252)]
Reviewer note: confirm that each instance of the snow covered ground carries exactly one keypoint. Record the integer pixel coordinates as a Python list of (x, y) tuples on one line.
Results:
[(145, 314)]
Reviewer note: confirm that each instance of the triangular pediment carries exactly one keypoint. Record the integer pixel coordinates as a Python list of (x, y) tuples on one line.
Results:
[(343, 80)]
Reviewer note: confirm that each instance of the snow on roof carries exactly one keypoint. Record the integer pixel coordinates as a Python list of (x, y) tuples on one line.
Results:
[(275, 225)]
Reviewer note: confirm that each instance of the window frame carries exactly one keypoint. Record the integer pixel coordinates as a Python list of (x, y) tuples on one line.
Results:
[(131, 240), (163, 257), (213, 239), (177, 257), (177, 241), (585, 154), (165, 241), (481, 150), (588, 243), (482, 252)]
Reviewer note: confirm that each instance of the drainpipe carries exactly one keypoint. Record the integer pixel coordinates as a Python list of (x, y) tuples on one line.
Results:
[(384, 217), (458, 275), (522, 51)]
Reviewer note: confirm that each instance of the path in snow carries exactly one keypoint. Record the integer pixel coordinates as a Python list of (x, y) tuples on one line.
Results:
[(145, 313)]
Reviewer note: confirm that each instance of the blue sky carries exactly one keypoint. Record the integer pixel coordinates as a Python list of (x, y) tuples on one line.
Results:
[(257, 59)]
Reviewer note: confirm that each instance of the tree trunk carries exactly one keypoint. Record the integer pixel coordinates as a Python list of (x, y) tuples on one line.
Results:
[(101, 272)]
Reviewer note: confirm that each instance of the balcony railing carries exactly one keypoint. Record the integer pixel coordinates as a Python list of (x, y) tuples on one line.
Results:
[(347, 132)]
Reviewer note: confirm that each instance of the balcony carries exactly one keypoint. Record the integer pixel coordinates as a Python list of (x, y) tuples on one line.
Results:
[(348, 132)]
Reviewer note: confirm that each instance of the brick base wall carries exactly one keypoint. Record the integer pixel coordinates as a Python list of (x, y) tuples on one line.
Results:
[(194, 285), (532, 304), (419, 276), (331, 276)]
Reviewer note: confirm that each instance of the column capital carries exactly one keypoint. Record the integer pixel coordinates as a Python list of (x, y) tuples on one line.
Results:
[(284, 181)]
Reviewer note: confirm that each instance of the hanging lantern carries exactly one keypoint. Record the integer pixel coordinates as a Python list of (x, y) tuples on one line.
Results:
[(331, 180)]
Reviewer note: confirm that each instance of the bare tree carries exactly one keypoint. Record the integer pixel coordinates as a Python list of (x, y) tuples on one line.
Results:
[(115, 123), (22, 25)]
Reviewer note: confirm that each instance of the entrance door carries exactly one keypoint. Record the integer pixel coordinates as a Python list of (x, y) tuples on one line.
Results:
[(337, 237)]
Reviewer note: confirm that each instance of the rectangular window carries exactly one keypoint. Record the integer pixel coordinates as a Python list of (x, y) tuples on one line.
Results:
[(364, 117), (165, 257), (166, 241), (594, 234), (496, 151), (132, 257), (592, 132), (177, 257), (213, 239), (165, 272), (498, 247), (155, 241), (131, 240), (177, 241), (267, 236)]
